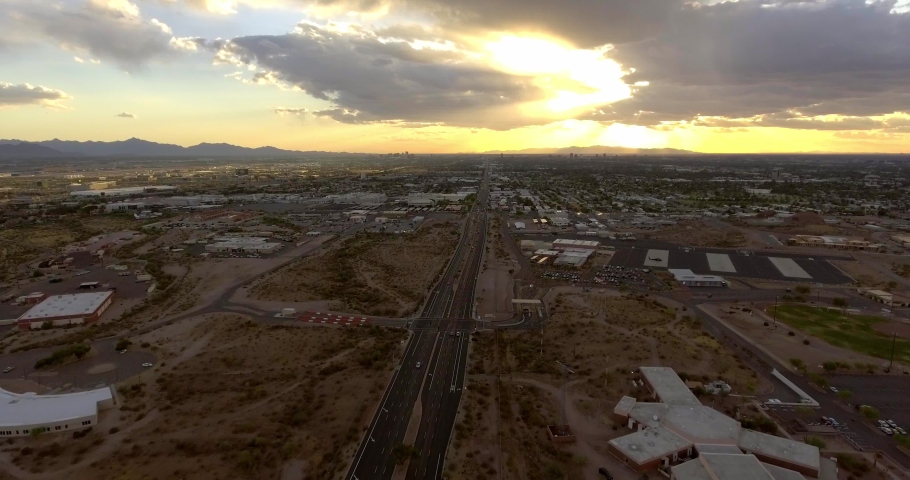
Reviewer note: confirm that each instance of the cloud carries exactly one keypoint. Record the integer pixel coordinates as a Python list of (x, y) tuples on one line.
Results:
[(126, 115), (726, 59), (25, 94), (290, 111), (112, 30), (367, 79)]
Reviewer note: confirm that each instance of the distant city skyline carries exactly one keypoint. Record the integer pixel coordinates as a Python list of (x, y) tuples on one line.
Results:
[(449, 76)]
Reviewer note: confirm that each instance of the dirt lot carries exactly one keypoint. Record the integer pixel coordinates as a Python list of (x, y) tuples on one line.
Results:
[(374, 274), (778, 342), (230, 398), (494, 285), (700, 234), (514, 384)]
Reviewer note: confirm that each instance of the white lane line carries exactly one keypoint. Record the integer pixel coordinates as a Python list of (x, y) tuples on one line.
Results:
[(789, 268), (720, 262)]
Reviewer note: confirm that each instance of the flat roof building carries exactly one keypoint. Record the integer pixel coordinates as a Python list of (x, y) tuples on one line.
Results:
[(242, 245), (69, 309), (690, 441), (21, 413), (666, 386), (567, 243), (690, 279)]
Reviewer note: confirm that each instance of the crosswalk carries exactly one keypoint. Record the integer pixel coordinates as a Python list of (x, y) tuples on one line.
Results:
[(333, 319)]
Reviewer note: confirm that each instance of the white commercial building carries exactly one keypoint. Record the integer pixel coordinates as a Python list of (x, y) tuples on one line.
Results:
[(22, 413), (242, 245), (690, 279), (572, 244), (67, 310), (519, 225)]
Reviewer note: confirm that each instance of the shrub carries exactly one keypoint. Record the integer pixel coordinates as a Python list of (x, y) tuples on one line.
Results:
[(815, 442), (805, 341), (869, 412), (122, 344), (59, 356)]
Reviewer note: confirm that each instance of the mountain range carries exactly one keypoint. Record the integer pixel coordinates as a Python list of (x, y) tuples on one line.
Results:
[(133, 147)]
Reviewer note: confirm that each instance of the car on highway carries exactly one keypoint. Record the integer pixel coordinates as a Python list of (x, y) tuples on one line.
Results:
[(451, 334), (605, 473), (418, 365), (457, 334), (8, 369)]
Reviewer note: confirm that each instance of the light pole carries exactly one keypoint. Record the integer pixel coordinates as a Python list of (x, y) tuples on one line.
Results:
[(775, 311), (893, 342)]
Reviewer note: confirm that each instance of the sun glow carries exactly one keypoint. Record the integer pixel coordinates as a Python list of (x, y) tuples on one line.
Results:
[(576, 78)]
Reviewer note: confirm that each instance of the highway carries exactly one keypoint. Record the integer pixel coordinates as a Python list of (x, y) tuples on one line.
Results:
[(432, 368)]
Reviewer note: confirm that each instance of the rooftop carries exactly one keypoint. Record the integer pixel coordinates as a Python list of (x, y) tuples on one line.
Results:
[(779, 448), (67, 305), (669, 388), (30, 409), (650, 444), (720, 466)]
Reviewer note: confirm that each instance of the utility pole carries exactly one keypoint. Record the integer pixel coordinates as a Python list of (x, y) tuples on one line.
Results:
[(893, 342), (775, 311)]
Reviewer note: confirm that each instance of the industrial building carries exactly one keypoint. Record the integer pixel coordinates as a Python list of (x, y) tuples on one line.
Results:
[(840, 243), (689, 441), (690, 279), (67, 309), (571, 244), (242, 245), (22, 413)]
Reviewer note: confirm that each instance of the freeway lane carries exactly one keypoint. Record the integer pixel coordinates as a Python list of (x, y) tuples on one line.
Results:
[(442, 393), (438, 357)]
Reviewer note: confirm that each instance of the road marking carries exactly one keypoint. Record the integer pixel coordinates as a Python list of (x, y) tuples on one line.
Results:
[(789, 268), (720, 262), (657, 258)]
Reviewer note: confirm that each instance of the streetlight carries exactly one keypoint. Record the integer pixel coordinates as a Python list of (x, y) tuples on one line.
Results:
[(775, 310)]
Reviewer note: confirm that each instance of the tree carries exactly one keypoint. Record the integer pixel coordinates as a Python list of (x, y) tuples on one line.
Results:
[(841, 302), (845, 395), (803, 290), (869, 412)]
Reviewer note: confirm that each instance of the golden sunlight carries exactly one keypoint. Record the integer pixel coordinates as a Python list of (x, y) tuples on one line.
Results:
[(576, 78)]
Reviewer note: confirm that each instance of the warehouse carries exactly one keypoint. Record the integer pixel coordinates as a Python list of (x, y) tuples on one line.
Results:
[(66, 310), (22, 413), (567, 243), (690, 279), (243, 245)]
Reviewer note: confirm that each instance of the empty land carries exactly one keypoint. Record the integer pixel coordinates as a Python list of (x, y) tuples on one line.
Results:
[(374, 274), (230, 399), (859, 333), (700, 234), (514, 382)]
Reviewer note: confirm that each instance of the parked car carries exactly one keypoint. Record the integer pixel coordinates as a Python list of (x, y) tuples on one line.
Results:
[(147, 365), (887, 431), (833, 389), (605, 473), (8, 369)]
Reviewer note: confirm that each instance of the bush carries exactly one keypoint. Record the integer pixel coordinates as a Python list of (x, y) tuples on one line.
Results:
[(805, 341), (869, 412), (59, 356), (122, 344), (815, 442), (791, 333)]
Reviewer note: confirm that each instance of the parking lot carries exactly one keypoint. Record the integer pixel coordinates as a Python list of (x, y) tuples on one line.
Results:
[(890, 394), (741, 263)]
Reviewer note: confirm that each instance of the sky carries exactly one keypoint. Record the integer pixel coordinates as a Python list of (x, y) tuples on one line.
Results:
[(383, 76)]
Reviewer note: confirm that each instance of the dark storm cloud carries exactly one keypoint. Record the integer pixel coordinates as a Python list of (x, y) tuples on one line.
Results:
[(732, 59), (368, 80)]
